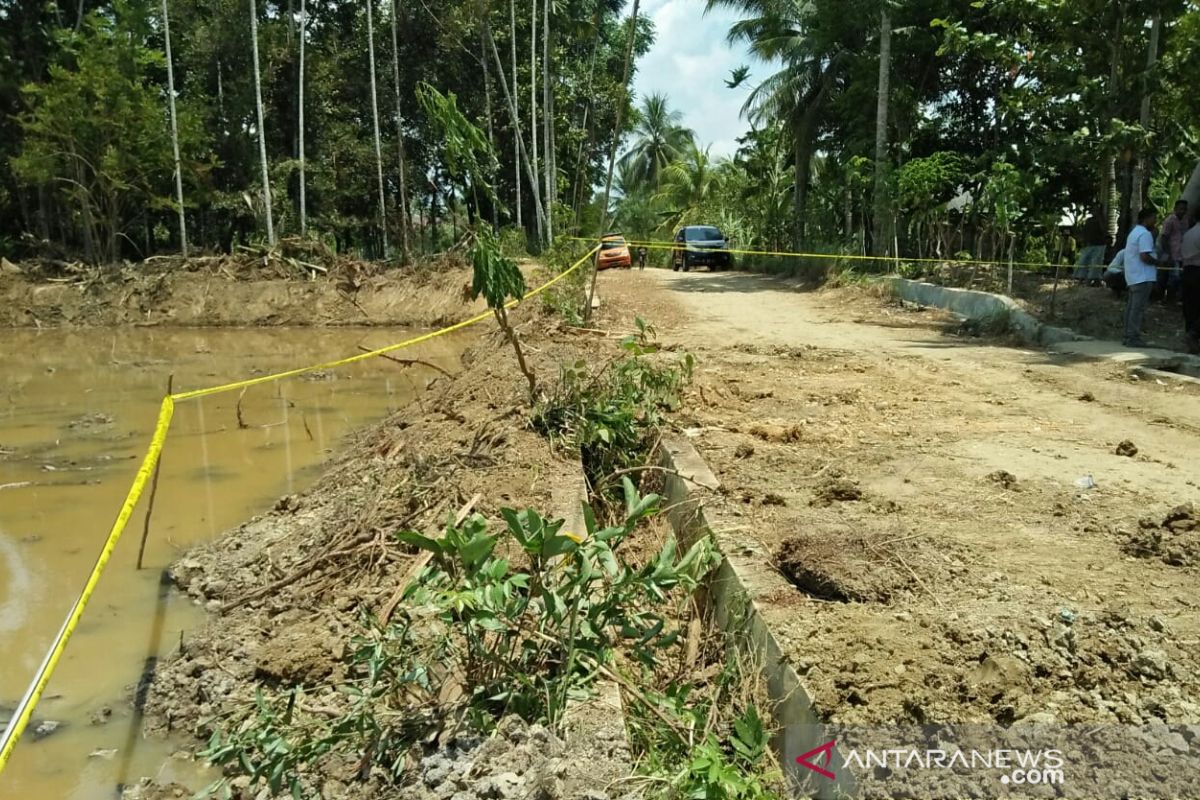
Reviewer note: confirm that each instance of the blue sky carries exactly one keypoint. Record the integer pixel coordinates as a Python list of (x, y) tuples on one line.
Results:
[(690, 62)]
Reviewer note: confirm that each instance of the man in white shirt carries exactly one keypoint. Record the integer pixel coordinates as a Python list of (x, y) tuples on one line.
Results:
[(1190, 256), (1141, 274)]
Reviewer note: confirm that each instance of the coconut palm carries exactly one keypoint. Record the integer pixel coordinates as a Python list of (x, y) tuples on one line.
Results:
[(660, 139), (786, 31), (688, 182)]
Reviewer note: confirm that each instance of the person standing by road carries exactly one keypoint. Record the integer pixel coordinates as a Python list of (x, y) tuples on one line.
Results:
[(1141, 275), (1190, 288), (1172, 248), (1095, 241), (641, 257)]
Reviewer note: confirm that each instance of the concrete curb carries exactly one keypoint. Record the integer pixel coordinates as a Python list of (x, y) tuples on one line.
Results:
[(982, 305), (734, 594), (976, 305)]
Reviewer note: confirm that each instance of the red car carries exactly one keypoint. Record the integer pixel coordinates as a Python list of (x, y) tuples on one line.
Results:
[(614, 252)]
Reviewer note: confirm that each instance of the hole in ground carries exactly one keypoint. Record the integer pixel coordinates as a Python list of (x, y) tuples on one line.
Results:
[(841, 568)]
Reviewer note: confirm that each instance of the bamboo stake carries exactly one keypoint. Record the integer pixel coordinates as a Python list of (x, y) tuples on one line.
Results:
[(153, 491)]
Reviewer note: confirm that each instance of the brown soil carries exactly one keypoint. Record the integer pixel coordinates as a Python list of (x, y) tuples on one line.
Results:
[(241, 290), (948, 567), (288, 590)]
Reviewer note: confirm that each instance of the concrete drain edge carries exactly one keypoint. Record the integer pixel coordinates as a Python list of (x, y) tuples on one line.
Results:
[(733, 596)]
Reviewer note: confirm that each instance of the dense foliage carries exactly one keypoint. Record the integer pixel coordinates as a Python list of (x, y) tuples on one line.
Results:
[(1005, 119), (1001, 119), (86, 165)]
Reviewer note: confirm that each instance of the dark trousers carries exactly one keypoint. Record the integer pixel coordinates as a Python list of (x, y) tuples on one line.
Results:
[(1135, 312), (1191, 301)]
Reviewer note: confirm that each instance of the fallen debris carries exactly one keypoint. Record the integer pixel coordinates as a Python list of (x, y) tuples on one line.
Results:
[(1006, 479)]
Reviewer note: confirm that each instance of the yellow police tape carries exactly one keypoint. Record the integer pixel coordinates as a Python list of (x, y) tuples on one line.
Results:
[(1024, 265), (24, 711)]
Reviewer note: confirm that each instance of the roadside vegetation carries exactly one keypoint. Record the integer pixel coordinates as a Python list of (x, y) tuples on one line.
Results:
[(515, 617)]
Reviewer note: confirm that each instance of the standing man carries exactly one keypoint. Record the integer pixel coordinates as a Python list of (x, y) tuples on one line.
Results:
[(1141, 274), (1095, 240), (1190, 289), (641, 257), (1172, 248)]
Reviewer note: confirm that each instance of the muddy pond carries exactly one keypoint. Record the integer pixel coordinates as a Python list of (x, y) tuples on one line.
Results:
[(76, 412)]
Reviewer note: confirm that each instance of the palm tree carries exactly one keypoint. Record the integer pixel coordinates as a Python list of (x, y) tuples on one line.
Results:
[(660, 138), (688, 182), (778, 30)]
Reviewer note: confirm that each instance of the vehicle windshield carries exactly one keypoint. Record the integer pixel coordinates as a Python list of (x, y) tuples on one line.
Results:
[(702, 234), (612, 244)]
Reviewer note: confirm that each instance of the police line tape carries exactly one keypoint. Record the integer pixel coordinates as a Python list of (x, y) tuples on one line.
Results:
[(24, 710), (1024, 266)]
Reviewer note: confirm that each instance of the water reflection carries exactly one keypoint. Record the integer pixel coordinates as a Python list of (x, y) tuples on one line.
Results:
[(76, 412)]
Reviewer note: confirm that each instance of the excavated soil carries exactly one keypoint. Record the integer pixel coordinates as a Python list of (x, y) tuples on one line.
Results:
[(288, 590), (924, 491), (239, 290)]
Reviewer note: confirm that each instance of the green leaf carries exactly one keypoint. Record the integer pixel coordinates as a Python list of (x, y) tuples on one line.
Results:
[(420, 542), (474, 552), (558, 545)]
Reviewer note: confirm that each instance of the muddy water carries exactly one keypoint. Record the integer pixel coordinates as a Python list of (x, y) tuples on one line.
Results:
[(76, 412)]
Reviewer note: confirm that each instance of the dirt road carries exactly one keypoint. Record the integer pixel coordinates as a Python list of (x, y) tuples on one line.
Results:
[(919, 488)]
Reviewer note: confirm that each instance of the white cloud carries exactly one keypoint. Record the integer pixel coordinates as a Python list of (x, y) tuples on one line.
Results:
[(690, 62)]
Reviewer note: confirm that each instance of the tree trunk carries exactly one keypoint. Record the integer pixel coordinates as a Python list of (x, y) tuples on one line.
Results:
[(262, 133), (512, 14), (516, 118), (300, 146), (578, 188), (803, 174), (881, 122), (1140, 166), (405, 221), (1192, 192), (487, 110), (220, 91), (547, 122), (533, 120), (183, 240), (612, 150), (375, 122), (1108, 179)]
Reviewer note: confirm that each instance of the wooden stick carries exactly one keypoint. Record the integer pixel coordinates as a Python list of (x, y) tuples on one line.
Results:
[(240, 420), (153, 491), (415, 568), (407, 362)]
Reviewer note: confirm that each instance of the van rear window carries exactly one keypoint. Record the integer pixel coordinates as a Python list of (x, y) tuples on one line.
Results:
[(612, 244)]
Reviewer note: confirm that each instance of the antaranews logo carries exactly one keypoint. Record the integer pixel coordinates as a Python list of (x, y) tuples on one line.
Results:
[(1018, 767)]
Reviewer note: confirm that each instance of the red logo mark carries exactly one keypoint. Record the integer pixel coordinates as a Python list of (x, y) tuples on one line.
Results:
[(827, 749)]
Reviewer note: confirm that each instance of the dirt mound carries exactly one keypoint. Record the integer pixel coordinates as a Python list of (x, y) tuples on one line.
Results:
[(836, 490), (1175, 540), (781, 434), (1004, 478), (1127, 448), (844, 568), (241, 289)]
